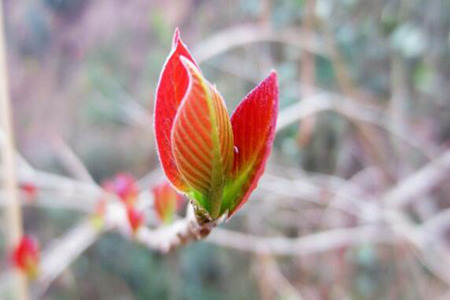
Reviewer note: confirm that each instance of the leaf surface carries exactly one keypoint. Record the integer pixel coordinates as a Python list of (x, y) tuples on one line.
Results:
[(253, 123), (172, 87), (202, 141)]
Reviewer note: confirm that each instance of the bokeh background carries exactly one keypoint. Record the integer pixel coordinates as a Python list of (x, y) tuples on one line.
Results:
[(365, 105)]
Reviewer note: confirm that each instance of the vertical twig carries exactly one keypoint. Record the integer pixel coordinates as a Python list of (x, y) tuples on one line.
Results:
[(13, 212), (307, 76)]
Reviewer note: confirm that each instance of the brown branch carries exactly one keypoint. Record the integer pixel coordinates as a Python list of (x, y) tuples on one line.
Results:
[(182, 232)]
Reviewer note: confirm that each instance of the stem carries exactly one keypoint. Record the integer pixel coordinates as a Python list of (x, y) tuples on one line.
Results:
[(13, 212)]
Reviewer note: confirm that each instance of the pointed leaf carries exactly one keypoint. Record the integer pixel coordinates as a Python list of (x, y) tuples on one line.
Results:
[(172, 86), (253, 122), (202, 141)]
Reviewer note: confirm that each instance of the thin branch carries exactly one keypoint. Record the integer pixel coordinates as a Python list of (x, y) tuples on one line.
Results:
[(325, 101), (232, 38), (177, 234), (55, 199), (419, 183), (438, 224), (276, 278), (72, 162), (64, 251), (311, 244)]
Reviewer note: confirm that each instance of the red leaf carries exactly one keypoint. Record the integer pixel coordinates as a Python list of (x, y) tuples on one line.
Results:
[(172, 86), (202, 140), (253, 122)]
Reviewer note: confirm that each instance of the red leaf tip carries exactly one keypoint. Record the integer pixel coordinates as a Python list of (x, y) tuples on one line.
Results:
[(176, 38), (271, 80)]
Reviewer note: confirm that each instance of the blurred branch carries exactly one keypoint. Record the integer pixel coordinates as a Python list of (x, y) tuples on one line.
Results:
[(71, 161), (324, 101), (420, 182), (231, 38), (438, 224), (52, 199), (429, 249), (63, 252), (62, 184), (276, 278), (310, 244), (8, 155), (309, 191)]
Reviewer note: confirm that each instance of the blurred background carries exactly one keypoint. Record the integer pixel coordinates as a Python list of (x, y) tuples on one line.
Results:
[(355, 199)]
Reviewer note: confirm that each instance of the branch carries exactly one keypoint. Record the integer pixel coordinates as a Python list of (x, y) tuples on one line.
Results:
[(8, 156), (420, 182), (325, 101), (182, 232), (276, 278), (232, 38), (56, 199), (311, 244), (72, 162), (64, 251)]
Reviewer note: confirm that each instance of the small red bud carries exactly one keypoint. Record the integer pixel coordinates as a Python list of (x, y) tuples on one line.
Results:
[(167, 201), (29, 189), (124, 186), (26, 256), (100, 208), (99, 213), (135, 218)]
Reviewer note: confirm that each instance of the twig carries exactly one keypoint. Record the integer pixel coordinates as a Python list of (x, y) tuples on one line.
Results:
[(64, 251), (314, 243), (276, 278), (324, 101), (420, 182), (244, 35), (438, 224), (72, 162), (56, 199), (182, 232)]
